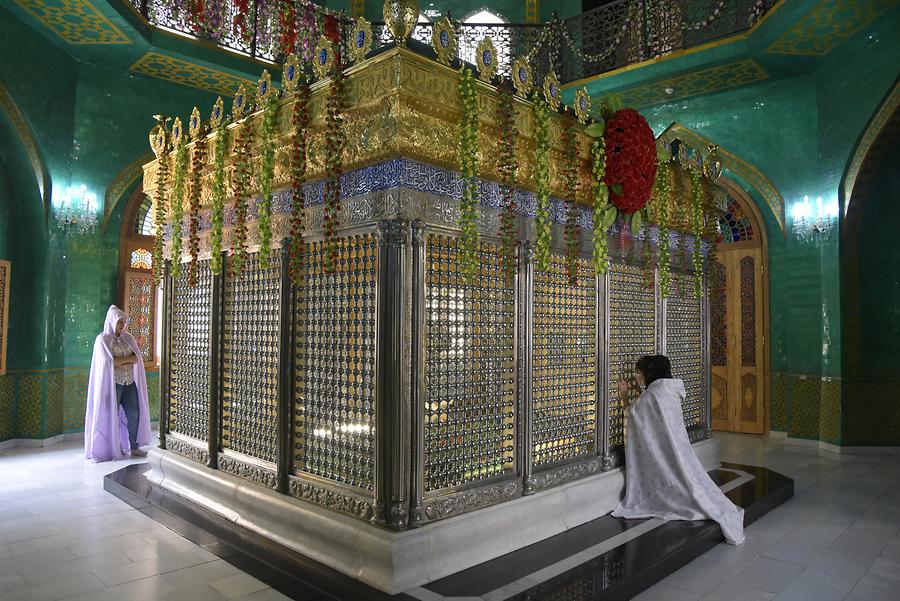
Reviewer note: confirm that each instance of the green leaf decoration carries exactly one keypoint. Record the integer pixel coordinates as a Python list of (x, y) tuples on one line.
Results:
[(596, 129), (609, 217), (662, 154), (616, 189), (615, 103), (636, 221)]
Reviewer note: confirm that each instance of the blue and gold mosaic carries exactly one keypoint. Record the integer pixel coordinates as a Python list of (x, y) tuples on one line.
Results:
[(695, 83), (828, 25), (186, 73), (75, 21)]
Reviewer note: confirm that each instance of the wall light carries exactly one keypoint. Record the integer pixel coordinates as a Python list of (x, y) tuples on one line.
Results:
[(814, 222), (76, 211)]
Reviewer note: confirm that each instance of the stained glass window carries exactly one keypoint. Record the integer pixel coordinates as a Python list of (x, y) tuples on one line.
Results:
[(736, 225), (141, 259), (144, 225)]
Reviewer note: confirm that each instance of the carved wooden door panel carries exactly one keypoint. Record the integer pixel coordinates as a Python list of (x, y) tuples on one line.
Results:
[(737, 341)]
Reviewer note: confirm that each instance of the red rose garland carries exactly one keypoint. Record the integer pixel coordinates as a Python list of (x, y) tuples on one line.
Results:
[(287, 23), (630, 160), (239, 21), (300, 123), (334, 147), (197, 159)]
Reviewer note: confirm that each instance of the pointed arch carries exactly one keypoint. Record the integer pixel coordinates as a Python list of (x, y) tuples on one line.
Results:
[(121, 184), (886, 118), (29, 143), (747, 172)]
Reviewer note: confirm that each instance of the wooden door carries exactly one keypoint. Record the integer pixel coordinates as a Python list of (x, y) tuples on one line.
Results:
[(737, 330), (738, 342)]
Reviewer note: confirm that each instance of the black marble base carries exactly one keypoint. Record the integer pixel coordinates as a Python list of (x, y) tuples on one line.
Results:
[(620, 573)]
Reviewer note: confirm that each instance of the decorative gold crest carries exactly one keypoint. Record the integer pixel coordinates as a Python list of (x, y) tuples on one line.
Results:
[(582, 105), (521, 76), (323, 59), (177, 131), (361, 40), (443, 39), (158, 140), (240, 106), (218, 113), (290, 76), (263, 88), (195, 126), (551, 90), (486, 59)]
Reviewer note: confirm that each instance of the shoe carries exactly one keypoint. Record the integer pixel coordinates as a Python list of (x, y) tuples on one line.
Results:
[(138, 453)]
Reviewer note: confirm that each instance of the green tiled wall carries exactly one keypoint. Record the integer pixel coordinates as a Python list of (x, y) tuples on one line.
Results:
[(807, 406), (48, 403)]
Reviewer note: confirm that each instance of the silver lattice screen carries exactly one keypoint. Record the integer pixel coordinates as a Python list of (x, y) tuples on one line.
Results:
[(564, 359), (191, 322), (250, 358), (334, 392), (632, 334), (469, 367), (683, 345)]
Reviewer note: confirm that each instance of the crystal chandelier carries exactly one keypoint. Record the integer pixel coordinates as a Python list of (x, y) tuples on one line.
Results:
[(77, 212), (814, 223)]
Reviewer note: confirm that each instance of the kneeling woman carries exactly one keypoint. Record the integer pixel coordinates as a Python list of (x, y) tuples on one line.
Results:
[(664, 479), (117, 420)]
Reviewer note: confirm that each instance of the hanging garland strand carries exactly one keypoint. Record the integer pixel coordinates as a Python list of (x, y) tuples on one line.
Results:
[(177, 211), (218, 198), (300, 127), (697, 229), (542, 183), (468, 140), (242, 142), (266, 174), (572, 238), (600, 197), (197, 158), (507, 165), (663, 197), (334, 147), (162, 180), (647, 254)]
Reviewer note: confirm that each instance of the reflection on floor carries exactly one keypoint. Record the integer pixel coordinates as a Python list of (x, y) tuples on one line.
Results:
[(62, 537)]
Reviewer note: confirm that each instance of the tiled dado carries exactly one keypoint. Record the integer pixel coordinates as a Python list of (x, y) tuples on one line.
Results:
[(872, 411), (807, 406), (46, 403)]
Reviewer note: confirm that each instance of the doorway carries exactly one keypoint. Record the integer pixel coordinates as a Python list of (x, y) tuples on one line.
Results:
[(738, 319)]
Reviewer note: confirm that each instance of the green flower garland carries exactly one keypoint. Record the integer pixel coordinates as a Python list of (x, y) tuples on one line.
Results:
[(197, 159), (177, 203), (266, 174), (647, 254), (601, 213), (334, 147), (542, 182), (572, 238), (507, 166), (300, 125), (468, 161), (697, 229), (664, 256), (162, 180), (218, 198), (243, 141)]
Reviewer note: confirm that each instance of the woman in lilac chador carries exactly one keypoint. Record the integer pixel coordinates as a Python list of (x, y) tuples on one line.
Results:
[(117, 420)]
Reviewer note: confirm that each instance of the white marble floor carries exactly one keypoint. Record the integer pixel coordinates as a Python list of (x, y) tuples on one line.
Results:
[(63, 537), (837, 539)]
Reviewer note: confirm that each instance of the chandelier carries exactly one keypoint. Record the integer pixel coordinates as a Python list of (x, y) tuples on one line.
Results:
[(77, 212), (814, 223)]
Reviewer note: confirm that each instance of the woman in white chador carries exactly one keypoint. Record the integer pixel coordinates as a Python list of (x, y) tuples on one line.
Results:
[(664, 479)]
